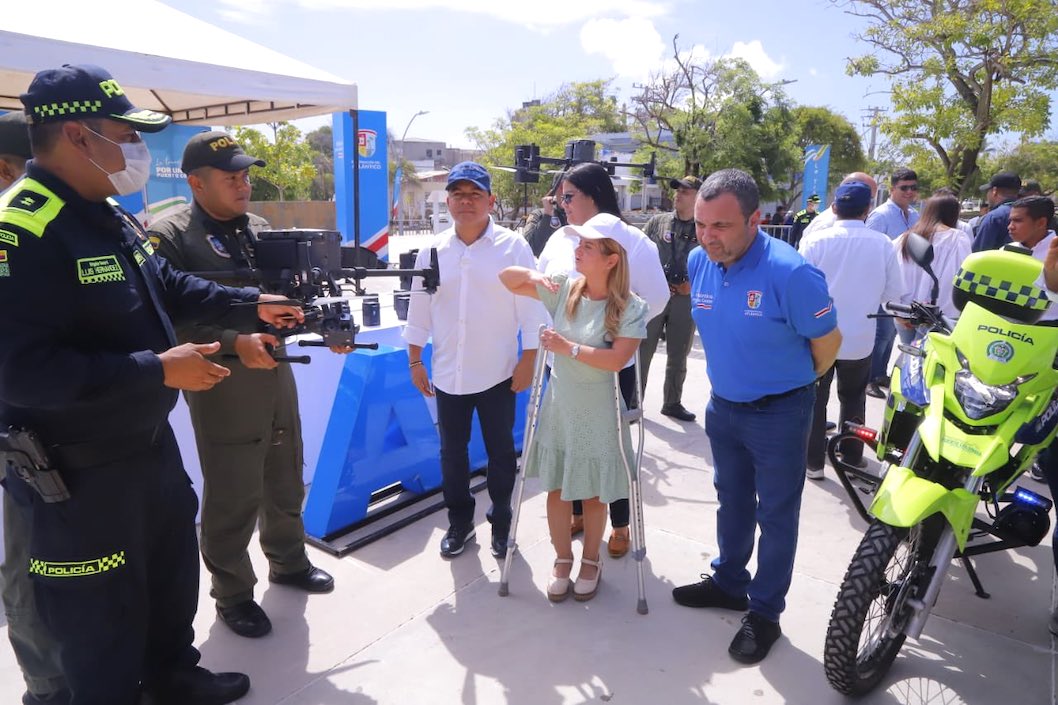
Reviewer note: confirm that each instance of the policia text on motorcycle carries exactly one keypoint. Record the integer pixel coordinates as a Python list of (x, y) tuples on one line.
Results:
[(115, 565)]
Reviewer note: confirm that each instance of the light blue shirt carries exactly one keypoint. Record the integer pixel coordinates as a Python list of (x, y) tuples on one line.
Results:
[(888, 218)]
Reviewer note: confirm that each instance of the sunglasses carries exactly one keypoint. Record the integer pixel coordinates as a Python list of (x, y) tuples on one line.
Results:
[(567, 197), (906, 188)]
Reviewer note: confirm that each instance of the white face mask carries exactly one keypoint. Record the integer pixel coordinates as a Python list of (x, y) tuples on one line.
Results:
[(137, 165)]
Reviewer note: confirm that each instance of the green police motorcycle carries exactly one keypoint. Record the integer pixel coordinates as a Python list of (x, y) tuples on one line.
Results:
[(970, 406)]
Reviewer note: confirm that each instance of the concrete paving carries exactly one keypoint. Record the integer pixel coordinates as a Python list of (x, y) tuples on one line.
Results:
[(406, 627)]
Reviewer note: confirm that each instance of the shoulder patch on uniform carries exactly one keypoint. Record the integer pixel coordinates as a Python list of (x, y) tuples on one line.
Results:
[(28, 201), (99, 270)]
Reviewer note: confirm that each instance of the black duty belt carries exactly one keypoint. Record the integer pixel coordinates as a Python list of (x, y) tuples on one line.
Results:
[(89, 454), (767, 398)]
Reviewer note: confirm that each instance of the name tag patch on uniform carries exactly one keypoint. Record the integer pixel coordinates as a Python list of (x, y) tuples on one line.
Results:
[(99, 270), (8, 238), (217, 245), (139, 257)]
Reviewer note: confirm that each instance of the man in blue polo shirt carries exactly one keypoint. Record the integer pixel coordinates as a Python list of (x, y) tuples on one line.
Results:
[(769, 330)]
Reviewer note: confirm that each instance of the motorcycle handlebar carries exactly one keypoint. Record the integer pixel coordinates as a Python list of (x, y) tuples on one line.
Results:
[(895, 307)]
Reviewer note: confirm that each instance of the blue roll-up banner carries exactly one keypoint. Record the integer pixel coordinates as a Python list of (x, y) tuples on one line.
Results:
[(817, 171), (167, 188), (371, 144)]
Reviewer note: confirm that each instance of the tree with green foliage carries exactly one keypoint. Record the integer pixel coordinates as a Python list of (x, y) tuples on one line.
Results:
[(1032, 160), (961, 71), (575, 111), (719, 114), (289, 169)]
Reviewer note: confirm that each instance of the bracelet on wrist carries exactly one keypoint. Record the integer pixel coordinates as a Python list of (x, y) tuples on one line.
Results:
[(415, 363)]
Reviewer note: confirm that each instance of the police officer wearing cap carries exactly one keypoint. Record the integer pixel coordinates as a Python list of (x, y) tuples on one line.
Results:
[(92, 368), (248, 430), (1001, 191), (803, 218), (673, 233), (32, 643)]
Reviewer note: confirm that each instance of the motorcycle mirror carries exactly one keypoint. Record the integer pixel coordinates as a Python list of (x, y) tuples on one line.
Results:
[(921, 252)]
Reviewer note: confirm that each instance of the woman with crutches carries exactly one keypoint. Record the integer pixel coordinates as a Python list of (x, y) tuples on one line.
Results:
[(598, 326)]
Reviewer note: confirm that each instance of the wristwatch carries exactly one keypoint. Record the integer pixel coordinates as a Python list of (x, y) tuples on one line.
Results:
[(574, 351)]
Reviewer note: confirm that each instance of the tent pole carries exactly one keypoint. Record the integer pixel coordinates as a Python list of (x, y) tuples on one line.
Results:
[(355, 114)]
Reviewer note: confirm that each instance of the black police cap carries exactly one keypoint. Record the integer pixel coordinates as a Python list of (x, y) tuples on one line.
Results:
[(218, 150), (76, 92)]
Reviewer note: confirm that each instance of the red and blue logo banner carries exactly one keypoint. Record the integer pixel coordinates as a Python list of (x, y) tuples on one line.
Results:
[(370, 145), (817, 171)]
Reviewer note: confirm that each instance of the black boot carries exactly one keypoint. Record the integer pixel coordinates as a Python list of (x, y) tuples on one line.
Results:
[(196, 686)]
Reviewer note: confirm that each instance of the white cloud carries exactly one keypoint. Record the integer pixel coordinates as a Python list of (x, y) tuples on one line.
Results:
[(528, 13), (632, 45), (753, 53)]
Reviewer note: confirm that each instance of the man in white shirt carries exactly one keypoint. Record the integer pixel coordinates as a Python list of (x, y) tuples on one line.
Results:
[(862, 272), (474, 323), (828, 217)]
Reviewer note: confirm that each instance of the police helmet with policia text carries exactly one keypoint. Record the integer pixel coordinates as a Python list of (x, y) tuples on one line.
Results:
[(1003, 282), (218, 150), (78, 92)]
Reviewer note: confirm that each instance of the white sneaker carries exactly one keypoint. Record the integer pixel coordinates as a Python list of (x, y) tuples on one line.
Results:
[(814, 473)]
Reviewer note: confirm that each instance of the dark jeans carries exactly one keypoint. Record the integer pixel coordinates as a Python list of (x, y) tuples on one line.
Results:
[(619, 510), (758, 471), (115, 571), (455, 413), (884, 335), (853, 376)]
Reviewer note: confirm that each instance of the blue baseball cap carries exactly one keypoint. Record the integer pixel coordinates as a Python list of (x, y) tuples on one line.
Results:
[(854, 195), (76, 92), (472, 172)]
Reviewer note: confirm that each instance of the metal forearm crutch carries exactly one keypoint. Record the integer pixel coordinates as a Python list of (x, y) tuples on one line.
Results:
[(635, 495), (531, 416)]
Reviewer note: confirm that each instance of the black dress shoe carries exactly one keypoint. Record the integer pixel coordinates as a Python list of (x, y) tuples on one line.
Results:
[(708, 594), (455, 540), (197, 686), (312, 579), (677, 412), (873, 390), (246, 619), (754, 639), (498, 545)]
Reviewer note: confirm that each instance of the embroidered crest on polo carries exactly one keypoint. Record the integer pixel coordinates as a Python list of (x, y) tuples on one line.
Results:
[(218, 247), (753, 299)]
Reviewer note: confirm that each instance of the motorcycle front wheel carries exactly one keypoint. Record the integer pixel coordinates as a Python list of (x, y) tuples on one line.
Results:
[(866, 627)]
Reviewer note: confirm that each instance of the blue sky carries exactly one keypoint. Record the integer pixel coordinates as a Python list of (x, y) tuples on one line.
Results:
[(467, 62)]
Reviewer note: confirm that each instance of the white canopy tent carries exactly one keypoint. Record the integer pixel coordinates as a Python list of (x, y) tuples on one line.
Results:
[(167, 61)]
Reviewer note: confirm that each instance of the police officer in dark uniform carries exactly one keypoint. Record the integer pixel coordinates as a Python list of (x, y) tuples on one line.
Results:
[(248, 429), (675, 237), (90, 364), (803, 218)]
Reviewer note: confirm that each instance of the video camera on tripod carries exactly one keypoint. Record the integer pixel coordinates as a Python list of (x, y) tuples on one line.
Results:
[(306, 265)]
